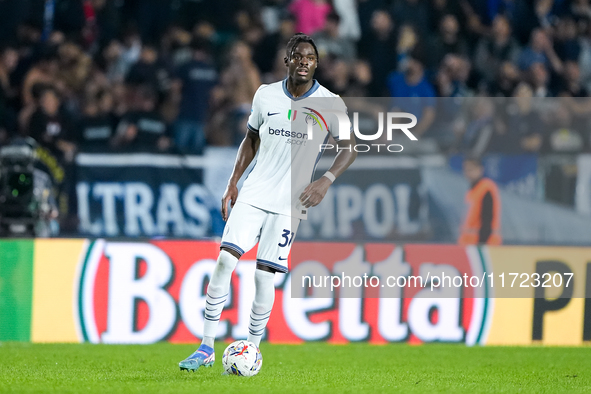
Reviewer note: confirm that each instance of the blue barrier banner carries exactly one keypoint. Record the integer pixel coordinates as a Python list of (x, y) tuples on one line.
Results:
[(144, 195), (377, 198), (515, 173)]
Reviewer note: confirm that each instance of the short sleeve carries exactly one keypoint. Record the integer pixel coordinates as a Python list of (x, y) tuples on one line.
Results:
[(255, 120), (333, 126)]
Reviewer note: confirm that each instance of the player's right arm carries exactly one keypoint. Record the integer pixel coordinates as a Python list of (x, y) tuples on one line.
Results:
[(247, 151)]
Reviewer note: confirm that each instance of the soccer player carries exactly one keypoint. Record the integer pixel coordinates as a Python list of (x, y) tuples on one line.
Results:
[(277, 193)]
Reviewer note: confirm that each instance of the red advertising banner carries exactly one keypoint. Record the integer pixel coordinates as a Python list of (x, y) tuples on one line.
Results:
[(134, 292)]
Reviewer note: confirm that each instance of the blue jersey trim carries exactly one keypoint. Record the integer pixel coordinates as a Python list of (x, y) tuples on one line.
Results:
[(314, 88), (271, 264), (232, 246), (249, 127)]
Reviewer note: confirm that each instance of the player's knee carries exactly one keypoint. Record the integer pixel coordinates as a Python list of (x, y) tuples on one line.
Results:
[(226, 262), (264, 280)]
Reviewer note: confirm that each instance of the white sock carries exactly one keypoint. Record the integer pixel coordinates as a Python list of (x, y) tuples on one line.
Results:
[(262, 305), (217, 294)]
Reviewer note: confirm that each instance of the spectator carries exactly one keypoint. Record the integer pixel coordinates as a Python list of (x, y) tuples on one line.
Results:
[(524, 122), (414, 13), (250, 30), (78, 29), (581, 9), (176, 46), (492, 52), (8, 62), (360, 80), (349, 28), (270, 14), (239, 82), (27, 42), (74, 67), (521, 15), (45, 71), (253, 36), (408, 41), (566, 43), (329, 42), (96, 128), (120, 56), (438, 9), (570, 84), (563, 137), (120, 101), (153, 17), (107, 21), (143, 130), (149, 70), (195, 80), (337, 78), (278, 72), (505, 82), (310, 15), (366, 10), (507, 133), (447, 41), (458, 68), (220, 128), (378, 48), (585, 57), (264, 54), (451, 87), (539, 79), (540, 50), (51, 127), (413, 93), (479, 127), (24, 116)]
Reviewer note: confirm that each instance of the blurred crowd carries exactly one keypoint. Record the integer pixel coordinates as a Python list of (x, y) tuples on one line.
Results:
[(178, 75)]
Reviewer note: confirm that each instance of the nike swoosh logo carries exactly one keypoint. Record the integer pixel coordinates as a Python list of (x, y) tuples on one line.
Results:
[(271, 114), (282, 258)]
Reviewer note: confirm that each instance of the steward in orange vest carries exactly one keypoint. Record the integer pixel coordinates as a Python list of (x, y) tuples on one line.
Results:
[(483, 221)]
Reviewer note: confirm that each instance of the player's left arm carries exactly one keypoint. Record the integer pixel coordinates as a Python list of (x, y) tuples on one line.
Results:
[(315, 192)]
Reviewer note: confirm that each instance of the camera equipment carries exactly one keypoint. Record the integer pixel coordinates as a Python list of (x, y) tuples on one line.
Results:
[(27, 201)]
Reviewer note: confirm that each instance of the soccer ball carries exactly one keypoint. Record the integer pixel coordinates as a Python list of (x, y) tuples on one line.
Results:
[(242, 358)]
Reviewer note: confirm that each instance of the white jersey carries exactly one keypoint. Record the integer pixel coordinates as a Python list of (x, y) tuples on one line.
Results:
[(287, 155)]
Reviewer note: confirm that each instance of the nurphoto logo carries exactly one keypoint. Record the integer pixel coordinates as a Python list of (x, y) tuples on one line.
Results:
[(391, 124)]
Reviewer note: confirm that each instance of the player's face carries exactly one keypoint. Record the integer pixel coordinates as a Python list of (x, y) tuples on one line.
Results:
[(302, 64), (472, 171)]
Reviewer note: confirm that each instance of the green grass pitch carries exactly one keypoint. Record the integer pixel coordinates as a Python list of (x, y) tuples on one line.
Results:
[(313, 367)]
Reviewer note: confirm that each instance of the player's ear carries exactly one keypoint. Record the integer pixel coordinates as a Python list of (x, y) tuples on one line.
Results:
[(285, 60)]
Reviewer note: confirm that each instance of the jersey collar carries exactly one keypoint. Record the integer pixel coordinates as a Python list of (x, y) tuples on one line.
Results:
[(314, 88)]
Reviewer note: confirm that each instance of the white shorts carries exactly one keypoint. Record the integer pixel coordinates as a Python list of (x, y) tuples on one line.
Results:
[(274, 232)]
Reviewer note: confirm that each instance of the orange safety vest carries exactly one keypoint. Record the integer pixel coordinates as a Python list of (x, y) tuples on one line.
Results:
[(472, 225)]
